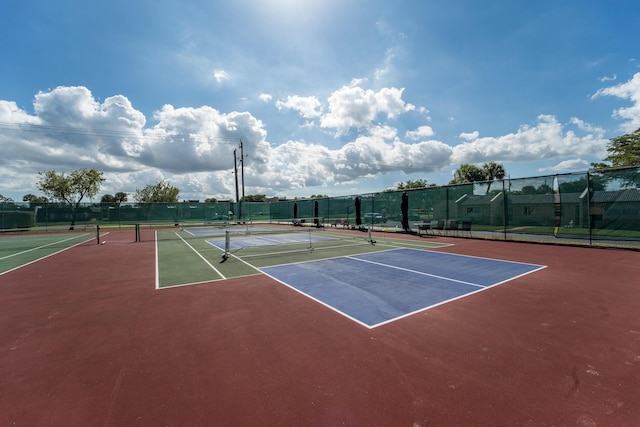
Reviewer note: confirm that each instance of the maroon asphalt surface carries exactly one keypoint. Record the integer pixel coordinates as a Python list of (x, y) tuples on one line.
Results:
[(87, 340)]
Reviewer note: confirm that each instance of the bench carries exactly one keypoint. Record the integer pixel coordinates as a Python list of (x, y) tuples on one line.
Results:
[(342, 222), (299, 222), (424, 228)]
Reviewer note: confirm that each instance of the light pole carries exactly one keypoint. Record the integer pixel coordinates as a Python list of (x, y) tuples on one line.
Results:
[(235, 169)]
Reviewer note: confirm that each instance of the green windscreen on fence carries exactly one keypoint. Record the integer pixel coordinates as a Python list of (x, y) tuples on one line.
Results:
[(595, 206)]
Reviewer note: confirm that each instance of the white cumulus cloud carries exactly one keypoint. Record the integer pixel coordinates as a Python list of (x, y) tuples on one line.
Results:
[(420, 133), (194, 147), (631, 91), (547, 139), (220, 75), (307, 106), (352, 107), (567, 165)]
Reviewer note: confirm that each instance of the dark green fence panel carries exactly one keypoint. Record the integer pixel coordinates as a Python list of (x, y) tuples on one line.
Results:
[(14, 216), (339, 209), (530, 206), (575, 197), (614, 211), (598, 207), (281, 211)]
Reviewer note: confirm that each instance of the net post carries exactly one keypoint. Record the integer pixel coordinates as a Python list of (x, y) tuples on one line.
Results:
[(98, 233), (227, 245)]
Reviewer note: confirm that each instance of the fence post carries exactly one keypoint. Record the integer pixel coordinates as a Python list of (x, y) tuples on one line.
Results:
[(505, 208), (589, 217)]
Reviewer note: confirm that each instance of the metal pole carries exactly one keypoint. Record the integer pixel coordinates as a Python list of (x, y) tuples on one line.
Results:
[(505, 207), (242, 171), (235, 168), (242, 167), (589, 217)]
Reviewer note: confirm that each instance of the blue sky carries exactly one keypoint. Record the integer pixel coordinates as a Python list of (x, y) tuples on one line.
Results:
[(328, 97)]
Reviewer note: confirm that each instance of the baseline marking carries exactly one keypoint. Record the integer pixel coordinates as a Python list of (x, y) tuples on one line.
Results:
[(416, 272), (157, 261), (43, 246), (46, 256), (200, 255)]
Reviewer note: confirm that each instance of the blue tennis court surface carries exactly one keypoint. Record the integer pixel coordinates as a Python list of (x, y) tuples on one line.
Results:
[(377, 288)]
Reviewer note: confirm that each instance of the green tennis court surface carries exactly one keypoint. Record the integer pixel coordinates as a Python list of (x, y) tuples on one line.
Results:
[(18, 250), (195, 255), (371, 279)]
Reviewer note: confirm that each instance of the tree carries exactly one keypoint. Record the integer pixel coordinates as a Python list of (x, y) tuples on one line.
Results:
[(71, 188), (467, 173), (34, 199), (493, 171), (161, 192), (623, 151), (255, 198), (410, 184), (120, 197), (5, 199)]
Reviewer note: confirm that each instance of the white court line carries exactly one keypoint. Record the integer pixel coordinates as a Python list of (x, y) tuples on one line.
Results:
[(200, 255), (157, 261), (47, 256), (245, 262), (417, 272), (43, 246), (319, 301), (479, 288)]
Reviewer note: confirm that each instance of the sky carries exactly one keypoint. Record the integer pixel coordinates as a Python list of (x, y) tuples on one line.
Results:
[(331, 97)]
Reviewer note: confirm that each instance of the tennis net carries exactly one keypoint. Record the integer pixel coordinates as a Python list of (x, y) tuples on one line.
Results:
[(269, 246), (267, 243)]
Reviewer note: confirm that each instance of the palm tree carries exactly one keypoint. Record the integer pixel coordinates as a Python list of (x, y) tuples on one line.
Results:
[(467, 173), (492, 171)]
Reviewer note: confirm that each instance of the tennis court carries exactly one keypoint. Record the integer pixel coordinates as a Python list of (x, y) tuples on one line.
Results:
[(17, 250), (372, 282), (376, 288), (196, 254), (340, 328)]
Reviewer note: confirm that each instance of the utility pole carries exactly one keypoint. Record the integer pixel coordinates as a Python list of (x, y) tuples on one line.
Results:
[(242, 167), (235, 168), (242, 172)]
